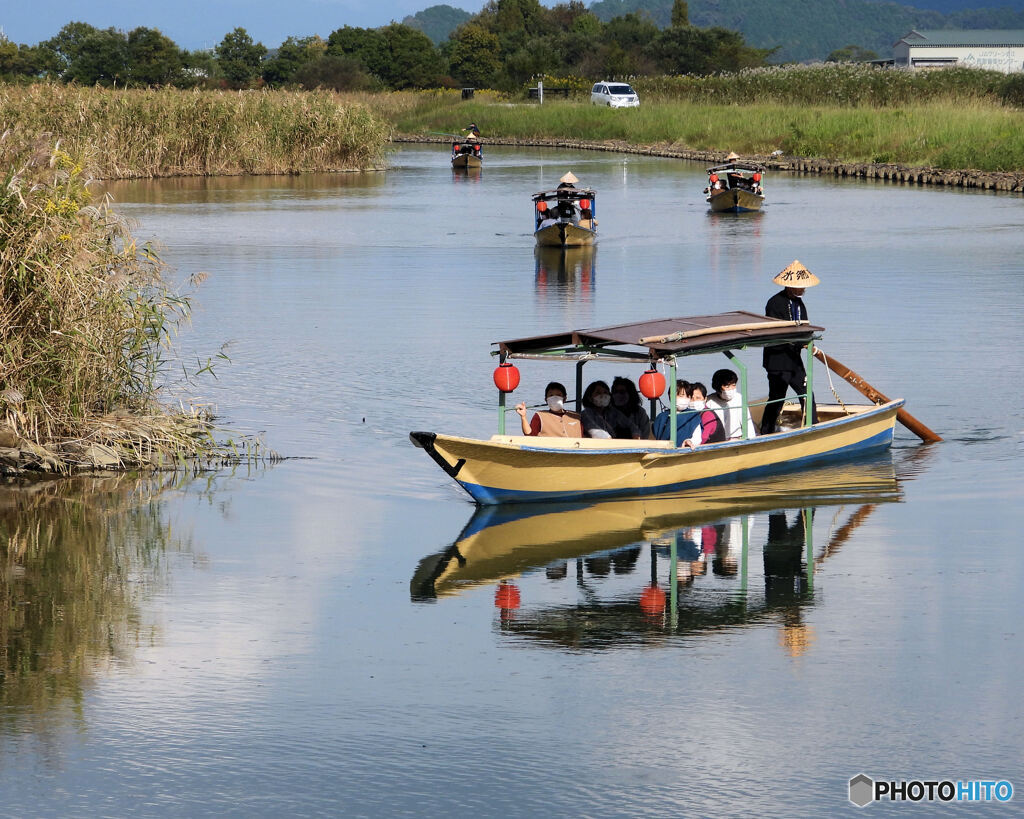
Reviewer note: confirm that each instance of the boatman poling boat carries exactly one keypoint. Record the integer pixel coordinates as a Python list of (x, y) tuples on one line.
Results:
[(566, 216), (517, 468), (735, 187)]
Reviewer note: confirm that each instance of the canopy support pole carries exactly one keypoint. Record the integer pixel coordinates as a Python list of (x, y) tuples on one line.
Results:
[(745, 412)]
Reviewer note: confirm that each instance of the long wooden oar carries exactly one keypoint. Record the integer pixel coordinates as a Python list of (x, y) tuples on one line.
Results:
[(904, 417)]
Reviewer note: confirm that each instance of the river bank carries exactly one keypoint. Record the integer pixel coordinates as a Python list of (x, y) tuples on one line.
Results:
[(984, 180)]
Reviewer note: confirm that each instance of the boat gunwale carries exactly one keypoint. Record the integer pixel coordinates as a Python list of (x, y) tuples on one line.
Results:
[(733, 444)]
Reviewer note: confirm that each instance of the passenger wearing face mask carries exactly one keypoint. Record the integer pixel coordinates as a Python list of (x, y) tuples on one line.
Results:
[(601, 419), (626, 399), (688, 426), (711, 429), (556, 421), (727, 404)]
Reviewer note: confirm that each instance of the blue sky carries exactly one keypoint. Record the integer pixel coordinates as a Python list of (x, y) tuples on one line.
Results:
[(203, 23)]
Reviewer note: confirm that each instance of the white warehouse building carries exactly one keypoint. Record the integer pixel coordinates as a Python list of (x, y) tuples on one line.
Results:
[(985, 48)]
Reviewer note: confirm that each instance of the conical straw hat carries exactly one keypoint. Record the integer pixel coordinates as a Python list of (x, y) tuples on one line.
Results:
[(796, 275), (569, 179), (732, 155)]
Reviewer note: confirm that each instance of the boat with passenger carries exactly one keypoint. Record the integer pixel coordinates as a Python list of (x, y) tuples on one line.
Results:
[(467, 154), (735, 186), (513, 468), (565, 216)]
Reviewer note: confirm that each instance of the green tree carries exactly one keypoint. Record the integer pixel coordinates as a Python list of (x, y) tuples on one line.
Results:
[(680, 14), (239, 57), (101, 58), (197, 68), (337, 72), (153, 59), (368, 45), (473, 57), (413, 61), (66, 45), (291, 55)]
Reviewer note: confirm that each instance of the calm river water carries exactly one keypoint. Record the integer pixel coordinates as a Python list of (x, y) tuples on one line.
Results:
[(339, 634)]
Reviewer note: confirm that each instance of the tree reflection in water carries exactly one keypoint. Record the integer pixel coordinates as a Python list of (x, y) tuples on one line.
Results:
[(77, 556)]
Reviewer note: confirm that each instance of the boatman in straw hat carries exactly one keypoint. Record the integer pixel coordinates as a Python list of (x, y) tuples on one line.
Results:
[(784, 362)]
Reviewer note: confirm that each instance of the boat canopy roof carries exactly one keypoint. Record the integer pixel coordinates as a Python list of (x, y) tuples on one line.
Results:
[(663, 338), (752, 167), (565, 193)]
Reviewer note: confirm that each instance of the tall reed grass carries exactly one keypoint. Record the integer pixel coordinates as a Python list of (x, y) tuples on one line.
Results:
[(170, 132), (85, 320), (840, 85)]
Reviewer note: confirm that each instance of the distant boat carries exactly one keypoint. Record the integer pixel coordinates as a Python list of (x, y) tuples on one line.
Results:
[(565, 217), (735, 187), (467, 154)]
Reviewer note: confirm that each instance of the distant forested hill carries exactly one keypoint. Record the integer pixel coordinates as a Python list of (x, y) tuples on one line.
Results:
[(812, 29), (437, 22)]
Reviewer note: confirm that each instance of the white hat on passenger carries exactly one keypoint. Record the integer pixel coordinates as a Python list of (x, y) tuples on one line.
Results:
[(569, 179)]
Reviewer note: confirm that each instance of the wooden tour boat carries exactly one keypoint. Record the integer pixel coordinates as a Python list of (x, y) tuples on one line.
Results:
[(735, 187), (516, 468), (467, 154), (566, 216)]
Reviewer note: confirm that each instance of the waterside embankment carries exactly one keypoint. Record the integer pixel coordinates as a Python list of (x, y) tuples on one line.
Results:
[(984, 180)]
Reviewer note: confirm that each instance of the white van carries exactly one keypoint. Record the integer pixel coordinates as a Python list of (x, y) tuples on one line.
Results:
[(614, 95)]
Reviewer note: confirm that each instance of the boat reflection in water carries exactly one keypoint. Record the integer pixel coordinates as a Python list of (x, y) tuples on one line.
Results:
[(571, 268), (598, 575)]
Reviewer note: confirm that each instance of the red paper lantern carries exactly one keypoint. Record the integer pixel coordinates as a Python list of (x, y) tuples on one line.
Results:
[(757, 177), (714, 177), (652, 384), (542, 206), (652, 601), (455, 147), (584, 203), (507, 597), (506, 377)]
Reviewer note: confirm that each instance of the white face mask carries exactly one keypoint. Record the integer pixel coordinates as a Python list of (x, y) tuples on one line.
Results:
[(602, 401), (555, 403), (696, 405), (682, 402), (728, 395)]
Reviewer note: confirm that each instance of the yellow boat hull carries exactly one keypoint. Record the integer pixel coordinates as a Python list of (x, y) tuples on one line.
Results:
[(735, 200), (518, 469), (565, 234)]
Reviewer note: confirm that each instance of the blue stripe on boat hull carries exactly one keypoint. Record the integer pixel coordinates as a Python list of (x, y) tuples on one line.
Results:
[(489, 496)]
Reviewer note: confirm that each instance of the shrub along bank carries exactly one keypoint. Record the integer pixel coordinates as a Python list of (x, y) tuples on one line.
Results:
[(85, 322)]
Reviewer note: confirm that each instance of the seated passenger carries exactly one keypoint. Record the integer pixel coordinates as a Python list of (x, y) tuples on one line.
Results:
[(554, 422), (727, 404), (626, 399), (688, 426), (600, 419), (712, 431)]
